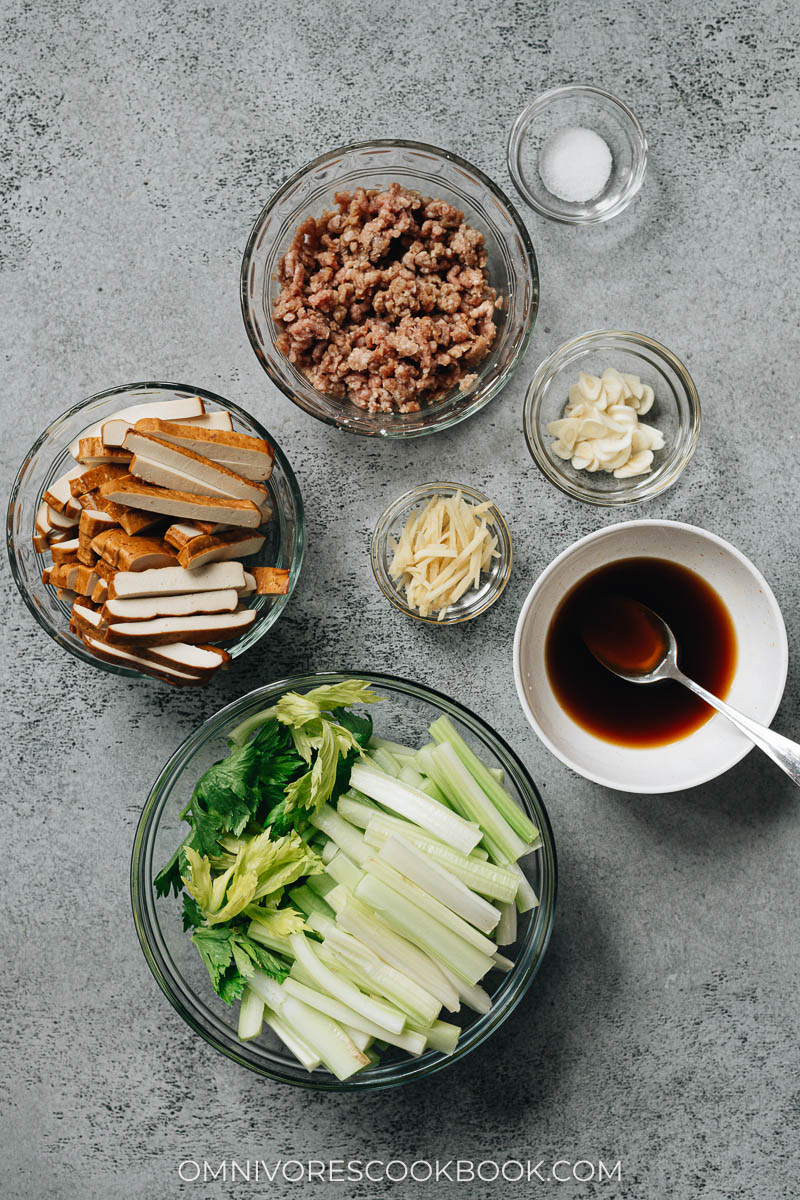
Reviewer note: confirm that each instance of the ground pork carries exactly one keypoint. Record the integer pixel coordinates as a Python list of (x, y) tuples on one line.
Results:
[(386, 302)]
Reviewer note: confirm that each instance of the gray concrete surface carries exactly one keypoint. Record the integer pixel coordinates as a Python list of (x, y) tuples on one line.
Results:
[(139, 143)]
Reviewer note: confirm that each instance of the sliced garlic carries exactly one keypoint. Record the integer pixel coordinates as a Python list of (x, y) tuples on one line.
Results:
[(600, 429), (637, 464), (589, 386)]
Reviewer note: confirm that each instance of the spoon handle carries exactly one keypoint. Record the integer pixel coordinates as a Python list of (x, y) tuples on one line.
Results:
[(781, 750)]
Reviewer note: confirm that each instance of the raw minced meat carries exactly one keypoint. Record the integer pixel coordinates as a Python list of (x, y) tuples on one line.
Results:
[(386, 302)]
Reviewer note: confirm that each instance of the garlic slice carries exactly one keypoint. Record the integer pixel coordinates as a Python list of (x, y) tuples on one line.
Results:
[(600, 429)]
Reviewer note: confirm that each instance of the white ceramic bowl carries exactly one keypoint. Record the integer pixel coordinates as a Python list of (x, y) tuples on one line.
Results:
[(757, 685)]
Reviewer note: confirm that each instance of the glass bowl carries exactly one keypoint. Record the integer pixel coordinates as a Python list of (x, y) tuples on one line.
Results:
[(512, 271), (590, 108), (174, 961), (390, 526), (49, 457), (675, 411)]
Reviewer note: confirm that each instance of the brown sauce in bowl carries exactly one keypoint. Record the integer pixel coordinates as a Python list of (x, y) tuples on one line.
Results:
[(633, 714)]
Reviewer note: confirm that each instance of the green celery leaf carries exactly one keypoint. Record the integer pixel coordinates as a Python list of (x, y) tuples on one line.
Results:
[(240, 892), (192, 912), (224, 798), (280, 922), (216, 951), (277, 761), (359, 724), (297, 709), (169, 877), (243, 960), (232, 986), (281, 819), (299, 792), (275, 967)]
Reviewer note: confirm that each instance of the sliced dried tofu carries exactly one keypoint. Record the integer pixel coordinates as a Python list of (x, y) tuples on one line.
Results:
[(200, 628), (148, 608), (271, 581), (59, 495), (178, 409)]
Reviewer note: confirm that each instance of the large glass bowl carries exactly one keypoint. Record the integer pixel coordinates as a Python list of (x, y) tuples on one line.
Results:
[(512, 272), (409, 709), (49, 457)]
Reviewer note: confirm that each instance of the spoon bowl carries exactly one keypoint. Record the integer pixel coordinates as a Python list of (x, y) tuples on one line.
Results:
[(633, 642), (630, 640)]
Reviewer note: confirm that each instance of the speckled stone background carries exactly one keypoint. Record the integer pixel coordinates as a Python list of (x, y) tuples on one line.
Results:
[(138, 144)]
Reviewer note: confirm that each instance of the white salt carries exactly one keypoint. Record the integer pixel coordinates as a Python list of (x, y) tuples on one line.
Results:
[(575, 164)]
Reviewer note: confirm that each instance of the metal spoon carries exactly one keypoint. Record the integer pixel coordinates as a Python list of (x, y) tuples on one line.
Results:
[(782, 750)]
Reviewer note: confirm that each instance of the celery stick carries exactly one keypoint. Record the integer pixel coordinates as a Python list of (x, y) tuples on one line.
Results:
[(495, 882), (370, 972), (409, 860), (361, 1041), (496, 773), (309, 902), (441, 1035), (526, 896), (410, 921), (385, 762), (321, 884), (399, 952), (242, 732), (381, 981), (473, 996), (345, 835), (412, 1043), (375, 1010), (410, 775), (506, 932), (259, 933), (501, 963), (429, 904), (292, 1040), (344, 871), (328, 850), (394, 748), (321, 1033), (416, 806), (476, 804), (251, 1015), (433, 768), (355, 812), (444, 731)]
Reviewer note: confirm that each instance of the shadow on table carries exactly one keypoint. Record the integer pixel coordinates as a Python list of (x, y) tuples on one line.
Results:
[(753, 794)]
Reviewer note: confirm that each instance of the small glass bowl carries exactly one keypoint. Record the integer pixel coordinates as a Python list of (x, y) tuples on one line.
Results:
[(390, 526), (675, 411), (49, 457), (512, 267), (590, 108), (408, 710)]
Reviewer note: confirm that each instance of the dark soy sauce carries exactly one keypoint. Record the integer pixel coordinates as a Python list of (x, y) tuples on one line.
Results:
[(632, 714)]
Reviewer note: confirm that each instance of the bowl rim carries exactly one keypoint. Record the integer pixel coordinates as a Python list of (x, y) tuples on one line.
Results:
[(514, 143), (380, 535), (481, 399), (550, 367), (144, 386), (702, 775), (141, 892)]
